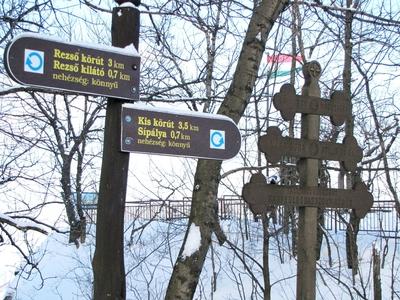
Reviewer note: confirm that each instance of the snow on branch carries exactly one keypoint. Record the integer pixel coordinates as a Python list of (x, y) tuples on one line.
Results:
[(23, 225)]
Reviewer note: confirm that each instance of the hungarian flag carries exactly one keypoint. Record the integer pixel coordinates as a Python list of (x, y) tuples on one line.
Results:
[(282, 63)]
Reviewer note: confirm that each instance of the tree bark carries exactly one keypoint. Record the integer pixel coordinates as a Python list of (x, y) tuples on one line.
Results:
[(352, 226), (376, 274), (267, 279), (203, 213)]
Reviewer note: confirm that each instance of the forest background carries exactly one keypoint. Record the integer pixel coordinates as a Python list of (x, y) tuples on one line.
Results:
[(51, 143)]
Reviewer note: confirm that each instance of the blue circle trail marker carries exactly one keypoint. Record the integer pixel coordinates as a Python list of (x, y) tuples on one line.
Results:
[(34, 61)]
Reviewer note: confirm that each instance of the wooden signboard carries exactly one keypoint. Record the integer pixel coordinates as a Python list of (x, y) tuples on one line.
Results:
[(288, 103), (274, 145), (308, 196), (36, 60), (178, 133), (261, 196)]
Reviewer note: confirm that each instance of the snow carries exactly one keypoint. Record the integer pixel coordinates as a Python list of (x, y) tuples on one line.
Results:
[(65, 271), (6, 218), (100, 47), (193, 241), (178, 112), (130, 48), (11, 260), (23, 224), (127, 4)]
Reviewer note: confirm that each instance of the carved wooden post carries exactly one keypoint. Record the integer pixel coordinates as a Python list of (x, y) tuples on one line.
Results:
[(309, 196), (307, 232)]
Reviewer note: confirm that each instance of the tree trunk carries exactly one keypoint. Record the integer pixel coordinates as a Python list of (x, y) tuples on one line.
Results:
[(352, 226), (203, 214), (75, 228), (351, 243), (266, 236), (376, 274)]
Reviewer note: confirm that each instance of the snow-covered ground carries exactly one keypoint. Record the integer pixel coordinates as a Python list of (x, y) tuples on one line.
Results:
[(64, 272)]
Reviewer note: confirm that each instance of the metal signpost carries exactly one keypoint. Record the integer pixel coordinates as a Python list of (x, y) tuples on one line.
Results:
[(36, 60), (308, 196), (178, 133)]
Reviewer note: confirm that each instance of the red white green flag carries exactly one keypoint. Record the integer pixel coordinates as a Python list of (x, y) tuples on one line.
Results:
[(281, 64)]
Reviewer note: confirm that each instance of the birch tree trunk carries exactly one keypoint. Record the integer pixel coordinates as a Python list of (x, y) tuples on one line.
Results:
[(203, 216)]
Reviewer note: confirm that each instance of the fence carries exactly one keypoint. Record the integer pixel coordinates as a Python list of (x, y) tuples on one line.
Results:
[(228, 207), (382, 217)]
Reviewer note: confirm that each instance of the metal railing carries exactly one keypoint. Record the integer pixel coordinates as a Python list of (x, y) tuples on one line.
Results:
[(382, 217), (228, 207)]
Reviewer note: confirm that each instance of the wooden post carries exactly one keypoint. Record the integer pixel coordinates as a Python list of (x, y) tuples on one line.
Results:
[(307, 233), (108, 261)]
